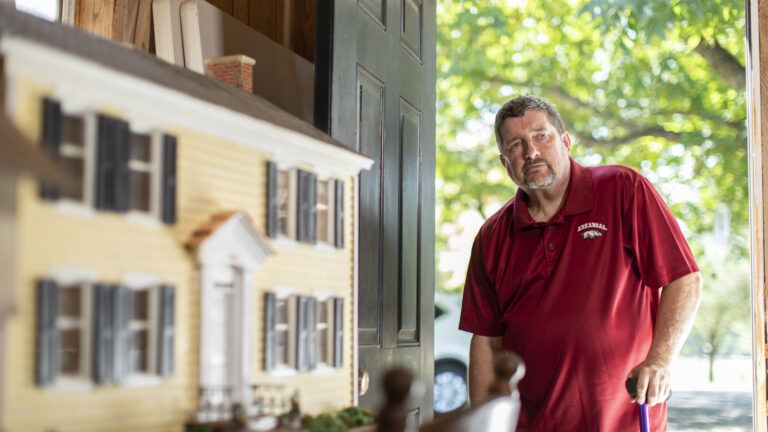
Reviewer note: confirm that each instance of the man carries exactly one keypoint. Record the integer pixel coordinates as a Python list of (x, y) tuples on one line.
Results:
[(585, 274)]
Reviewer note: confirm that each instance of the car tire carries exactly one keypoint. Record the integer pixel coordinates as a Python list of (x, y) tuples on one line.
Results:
[(451, 389)]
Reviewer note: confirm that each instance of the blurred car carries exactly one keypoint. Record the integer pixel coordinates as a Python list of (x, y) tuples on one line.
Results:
[(451, 355)]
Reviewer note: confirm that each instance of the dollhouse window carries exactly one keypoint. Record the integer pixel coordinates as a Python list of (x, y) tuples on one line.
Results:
[(324, 332), (141, 166), (72, 149), (324, 211), (282, 334), (281, 202), (139, 332), (70, 326)]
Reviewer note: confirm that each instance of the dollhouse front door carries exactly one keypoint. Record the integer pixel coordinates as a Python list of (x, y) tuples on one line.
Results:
[(224, 342)]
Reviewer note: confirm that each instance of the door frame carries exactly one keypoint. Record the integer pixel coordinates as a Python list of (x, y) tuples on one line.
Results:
[(757, 121)]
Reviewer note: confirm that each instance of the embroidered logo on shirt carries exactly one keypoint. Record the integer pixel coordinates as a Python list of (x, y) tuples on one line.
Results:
[(591, 230)]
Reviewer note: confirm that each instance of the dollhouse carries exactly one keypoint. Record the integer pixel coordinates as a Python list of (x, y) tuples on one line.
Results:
[(207, 257)]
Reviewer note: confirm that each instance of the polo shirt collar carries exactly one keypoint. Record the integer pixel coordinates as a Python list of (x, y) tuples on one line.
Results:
[(578, 199)]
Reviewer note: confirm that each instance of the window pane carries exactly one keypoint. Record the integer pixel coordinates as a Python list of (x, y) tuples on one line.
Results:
[(140, 190), (139, 344), (281, 313), (283, 192), (72, 131), (322, 346), (69, 351), (77, 168), (140, 305), (281, 347), (69, 302), (140, 148)]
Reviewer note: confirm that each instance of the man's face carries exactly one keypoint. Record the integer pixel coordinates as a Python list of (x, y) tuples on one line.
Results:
[(533, 152)]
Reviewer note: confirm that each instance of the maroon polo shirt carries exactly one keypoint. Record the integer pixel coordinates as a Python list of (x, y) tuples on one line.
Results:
[(577, 296)]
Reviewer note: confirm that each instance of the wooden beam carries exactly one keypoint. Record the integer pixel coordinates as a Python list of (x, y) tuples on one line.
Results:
[(240, 10), (757, 89), (143, 25), (124, 20), (95, 16)]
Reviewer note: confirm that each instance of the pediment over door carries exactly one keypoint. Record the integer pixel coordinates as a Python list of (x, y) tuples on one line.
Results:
[(230, 237)]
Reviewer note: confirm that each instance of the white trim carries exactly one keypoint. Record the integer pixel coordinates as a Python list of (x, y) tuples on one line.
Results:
[(283, 371), (235, 242), (756, 217), (323, 369), (71, 385), (140, 380), (72, 275), (74, 208), (135, 280), (143, 218), (98, 85), (354, 244), (283, 293)]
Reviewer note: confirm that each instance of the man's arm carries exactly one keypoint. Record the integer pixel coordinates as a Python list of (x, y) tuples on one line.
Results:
[(481, 353), (677, 309)]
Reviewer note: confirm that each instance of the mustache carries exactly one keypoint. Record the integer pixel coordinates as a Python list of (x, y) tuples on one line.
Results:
[(536, 161)]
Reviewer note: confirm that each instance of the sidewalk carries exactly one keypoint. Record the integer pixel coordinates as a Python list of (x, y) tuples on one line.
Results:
[(722, 406)]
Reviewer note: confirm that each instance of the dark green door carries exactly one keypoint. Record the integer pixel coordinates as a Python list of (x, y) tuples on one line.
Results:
[(375, 87)]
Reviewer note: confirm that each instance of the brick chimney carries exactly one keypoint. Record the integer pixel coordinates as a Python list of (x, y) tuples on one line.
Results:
[(235, 70)]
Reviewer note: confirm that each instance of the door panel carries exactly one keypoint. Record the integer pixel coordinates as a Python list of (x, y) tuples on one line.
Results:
[(375, 80)]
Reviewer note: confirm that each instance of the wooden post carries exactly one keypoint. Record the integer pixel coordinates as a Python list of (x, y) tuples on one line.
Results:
[(757, 93)]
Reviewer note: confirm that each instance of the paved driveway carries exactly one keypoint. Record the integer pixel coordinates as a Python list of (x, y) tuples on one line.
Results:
[(721, 411)]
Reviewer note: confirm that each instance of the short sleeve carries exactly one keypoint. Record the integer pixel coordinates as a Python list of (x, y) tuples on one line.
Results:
[(660, 251), (480, 312)]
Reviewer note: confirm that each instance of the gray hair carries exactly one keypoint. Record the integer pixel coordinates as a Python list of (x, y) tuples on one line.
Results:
[(518, 106)]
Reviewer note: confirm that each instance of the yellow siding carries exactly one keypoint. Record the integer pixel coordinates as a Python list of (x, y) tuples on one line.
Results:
[(213, 176)]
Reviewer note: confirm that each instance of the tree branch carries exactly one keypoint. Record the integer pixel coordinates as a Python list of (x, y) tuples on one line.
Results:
[(723, 63)]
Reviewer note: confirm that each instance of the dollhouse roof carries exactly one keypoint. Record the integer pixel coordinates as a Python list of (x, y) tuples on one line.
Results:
[(17, 155), (148, 67)]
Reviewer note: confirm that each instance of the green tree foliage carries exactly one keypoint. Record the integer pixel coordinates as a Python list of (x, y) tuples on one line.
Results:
[(656, 85), (722, 323)]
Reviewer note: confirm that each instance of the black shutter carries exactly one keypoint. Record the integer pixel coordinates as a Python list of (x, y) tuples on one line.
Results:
[(47, 336), (312, 208), (270, 338), (51, 137), (112, 174), (273, 230), (166, 330), (302, 341), (302, 209), (338, 214), (169, 180), (122, 305), (312, 339), (122, 172), (338, 332), (103, 334)]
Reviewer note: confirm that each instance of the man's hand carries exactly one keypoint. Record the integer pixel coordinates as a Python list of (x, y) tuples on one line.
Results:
[(653, 383), (677, 309)]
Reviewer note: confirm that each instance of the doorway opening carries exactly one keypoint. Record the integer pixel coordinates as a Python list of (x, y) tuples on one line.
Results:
[(654, 85)]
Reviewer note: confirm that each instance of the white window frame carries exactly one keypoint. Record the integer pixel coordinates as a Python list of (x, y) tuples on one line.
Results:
[(150, 283), (326, 299), (288, 296), (152, 217), (84, 207), (64, 278), (327, 243), (289, 238)]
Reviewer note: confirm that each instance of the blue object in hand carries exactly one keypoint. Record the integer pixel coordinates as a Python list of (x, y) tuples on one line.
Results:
[(642, 409)]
